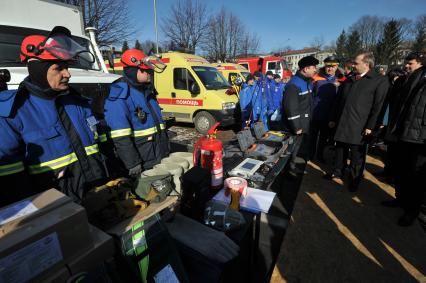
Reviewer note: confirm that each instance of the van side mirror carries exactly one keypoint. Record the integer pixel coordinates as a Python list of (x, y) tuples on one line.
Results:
[(194, 88)]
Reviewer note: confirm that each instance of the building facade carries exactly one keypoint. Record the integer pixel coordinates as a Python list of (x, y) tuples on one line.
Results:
[(293, 56)]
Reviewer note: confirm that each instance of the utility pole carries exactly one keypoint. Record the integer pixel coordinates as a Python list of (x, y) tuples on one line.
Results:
[(155, 25)]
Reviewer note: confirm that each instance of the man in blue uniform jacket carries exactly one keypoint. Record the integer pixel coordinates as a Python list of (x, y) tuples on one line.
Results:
[(296, 105), (48, 130), (247, 94), (133, 115), (277, 90)]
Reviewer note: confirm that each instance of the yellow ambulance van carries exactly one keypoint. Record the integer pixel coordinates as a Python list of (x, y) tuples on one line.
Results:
[(190, 89), (232, 71)]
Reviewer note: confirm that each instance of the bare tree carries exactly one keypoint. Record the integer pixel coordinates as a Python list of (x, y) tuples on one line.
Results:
[(419, 32), (370, 29), (250, 44), (226, 37), (186, 24), (406, 26), (149, 46), (281, 49), (235, 31), (318, 42), (331, 46), (109, 17), (215, 42)]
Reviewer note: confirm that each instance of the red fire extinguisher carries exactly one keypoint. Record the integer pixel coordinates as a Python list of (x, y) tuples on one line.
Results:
[(208, 154)]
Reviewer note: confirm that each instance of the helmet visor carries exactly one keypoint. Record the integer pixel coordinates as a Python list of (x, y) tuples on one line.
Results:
[(64, 47), (154, 63)]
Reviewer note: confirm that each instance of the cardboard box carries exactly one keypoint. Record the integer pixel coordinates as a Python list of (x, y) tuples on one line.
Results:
[(89, 260), (23, 211), (152, 209), (38, 246)]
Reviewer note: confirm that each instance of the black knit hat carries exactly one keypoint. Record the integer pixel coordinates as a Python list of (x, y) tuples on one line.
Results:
[(249, 77), (37, 70), (269, 73), (307, 61)]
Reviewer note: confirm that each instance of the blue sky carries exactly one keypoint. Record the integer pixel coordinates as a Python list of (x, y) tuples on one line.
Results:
[(280, 23)]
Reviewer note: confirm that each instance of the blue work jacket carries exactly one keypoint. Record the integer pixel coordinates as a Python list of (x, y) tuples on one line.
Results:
[(52, 138), (135, 125)]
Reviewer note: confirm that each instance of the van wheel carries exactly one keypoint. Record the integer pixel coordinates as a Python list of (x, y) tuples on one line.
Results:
[(203, 122)]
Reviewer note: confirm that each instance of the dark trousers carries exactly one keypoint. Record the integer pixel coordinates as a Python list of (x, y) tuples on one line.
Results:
[(357, 158), (319, 135), (410, 177), (390, 159), (297, 142)]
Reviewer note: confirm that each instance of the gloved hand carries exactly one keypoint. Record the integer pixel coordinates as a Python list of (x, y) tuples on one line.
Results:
[(135, 171)]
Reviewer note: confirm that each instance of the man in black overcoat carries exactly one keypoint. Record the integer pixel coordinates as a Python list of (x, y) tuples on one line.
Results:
[(355, 117), (408, 124)]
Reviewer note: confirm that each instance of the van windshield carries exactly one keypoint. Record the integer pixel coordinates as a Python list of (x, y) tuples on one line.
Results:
[(10, 44), (245, 74), (211, 78)]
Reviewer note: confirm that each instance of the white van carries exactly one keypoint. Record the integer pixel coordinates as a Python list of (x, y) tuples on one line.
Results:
[(20, 18)]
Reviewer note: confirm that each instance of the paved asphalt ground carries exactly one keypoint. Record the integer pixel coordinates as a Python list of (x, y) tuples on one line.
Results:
[(338, 236)]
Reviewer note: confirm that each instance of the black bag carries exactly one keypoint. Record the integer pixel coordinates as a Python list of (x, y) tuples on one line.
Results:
[(196, 192)]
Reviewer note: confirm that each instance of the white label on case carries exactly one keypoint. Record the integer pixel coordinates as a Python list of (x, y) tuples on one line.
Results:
[(166, 275), (31, 260), (17, 210)]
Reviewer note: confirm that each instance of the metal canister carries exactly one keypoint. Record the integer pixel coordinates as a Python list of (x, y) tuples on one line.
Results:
[(159, 185)]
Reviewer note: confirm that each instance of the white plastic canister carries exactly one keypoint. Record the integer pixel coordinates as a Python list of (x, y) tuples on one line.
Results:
[(188, 156), (177, 160)]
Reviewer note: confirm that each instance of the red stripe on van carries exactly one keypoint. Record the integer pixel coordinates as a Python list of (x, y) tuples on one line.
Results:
[(183, 102)]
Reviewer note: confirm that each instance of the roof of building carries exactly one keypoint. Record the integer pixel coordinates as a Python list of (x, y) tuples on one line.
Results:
[(300, 51)]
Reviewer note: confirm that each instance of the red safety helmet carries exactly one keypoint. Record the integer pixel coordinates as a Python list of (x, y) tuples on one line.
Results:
[(287, 73), (134, 58), (58, 45)]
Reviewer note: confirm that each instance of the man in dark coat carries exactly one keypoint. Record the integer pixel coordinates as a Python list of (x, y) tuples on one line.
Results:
[(401, 86), (408, 124), (355, 117), (296, 105)]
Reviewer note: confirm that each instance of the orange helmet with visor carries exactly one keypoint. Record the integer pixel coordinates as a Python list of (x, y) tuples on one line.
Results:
[(58, 45), (137, 58)]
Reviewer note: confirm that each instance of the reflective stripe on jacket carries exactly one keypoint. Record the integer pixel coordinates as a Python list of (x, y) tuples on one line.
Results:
[(297, 103), (133, 119), (37, 138)]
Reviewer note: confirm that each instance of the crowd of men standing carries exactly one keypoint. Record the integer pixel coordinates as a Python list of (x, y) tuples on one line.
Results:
[(348, 109)]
